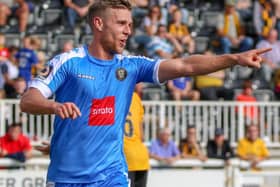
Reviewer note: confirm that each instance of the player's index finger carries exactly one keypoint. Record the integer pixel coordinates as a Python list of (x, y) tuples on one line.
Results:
[(263, 50)]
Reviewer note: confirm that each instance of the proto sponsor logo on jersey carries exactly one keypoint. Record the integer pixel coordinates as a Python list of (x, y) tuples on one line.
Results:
[(102, 111)]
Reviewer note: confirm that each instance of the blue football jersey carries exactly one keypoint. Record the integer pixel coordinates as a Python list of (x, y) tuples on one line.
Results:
[(90, 148)]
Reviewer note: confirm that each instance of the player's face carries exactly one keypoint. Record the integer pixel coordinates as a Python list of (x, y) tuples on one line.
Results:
[(117, 29)]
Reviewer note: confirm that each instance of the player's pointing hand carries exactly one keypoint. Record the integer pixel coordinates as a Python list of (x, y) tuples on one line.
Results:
[(67, 110), (251, 58)]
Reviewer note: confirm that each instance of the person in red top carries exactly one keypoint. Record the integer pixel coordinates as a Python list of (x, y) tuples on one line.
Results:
[(4, 51), (15, 145), (250, 112)]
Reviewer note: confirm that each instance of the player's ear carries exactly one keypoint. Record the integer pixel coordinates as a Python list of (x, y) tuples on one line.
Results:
[(98, 23)]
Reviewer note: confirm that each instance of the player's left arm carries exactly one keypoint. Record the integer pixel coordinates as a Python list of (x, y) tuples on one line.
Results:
[(205, 64)]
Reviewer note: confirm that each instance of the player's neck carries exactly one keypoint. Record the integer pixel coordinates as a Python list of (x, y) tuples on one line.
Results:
[(97, 51)]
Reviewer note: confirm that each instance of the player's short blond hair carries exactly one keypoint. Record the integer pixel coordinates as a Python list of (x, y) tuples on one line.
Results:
[(99, 7)]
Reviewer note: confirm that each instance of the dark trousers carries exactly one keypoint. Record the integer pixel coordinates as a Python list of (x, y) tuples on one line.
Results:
[(214, 93), (138, 178)]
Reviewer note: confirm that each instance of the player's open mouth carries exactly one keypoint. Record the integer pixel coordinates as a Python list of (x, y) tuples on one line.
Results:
[(123, 42)]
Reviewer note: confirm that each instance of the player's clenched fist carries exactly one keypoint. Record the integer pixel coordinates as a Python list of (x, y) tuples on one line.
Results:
[(67, 110)]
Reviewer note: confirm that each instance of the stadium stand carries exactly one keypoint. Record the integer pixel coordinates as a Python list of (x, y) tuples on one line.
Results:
[(47, 22)]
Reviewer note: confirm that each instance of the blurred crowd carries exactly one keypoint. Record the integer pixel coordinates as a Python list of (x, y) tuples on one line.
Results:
[(163, 29), (250, 148)]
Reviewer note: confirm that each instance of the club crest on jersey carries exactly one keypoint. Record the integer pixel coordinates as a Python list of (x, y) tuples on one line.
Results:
[(45, 72), (121, 74)]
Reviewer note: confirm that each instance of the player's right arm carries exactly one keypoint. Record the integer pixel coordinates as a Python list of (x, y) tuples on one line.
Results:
[(51, 78), (35, 103)]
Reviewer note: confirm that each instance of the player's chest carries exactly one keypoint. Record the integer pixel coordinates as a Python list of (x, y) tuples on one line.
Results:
[(102, 79)]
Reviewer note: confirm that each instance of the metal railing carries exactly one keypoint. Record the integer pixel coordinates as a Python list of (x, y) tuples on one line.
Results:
[(206, 116)]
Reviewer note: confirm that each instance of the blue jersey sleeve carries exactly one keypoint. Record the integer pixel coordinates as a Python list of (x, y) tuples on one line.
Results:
[(147, 70), (51, 77)]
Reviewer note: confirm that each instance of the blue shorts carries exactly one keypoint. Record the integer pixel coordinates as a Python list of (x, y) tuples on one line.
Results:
[(117, 180)]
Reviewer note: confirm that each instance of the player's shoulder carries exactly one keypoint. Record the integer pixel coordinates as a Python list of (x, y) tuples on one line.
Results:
[(76, 53), (133, 58)]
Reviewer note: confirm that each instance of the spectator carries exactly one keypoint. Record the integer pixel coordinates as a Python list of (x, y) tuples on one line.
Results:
[(245, 9), (252, 148), (272, 58), (163, 149), (164, 45), (136, 153), (41, 63), (219, 147), (181, 32), (36, 43), (11, 71), (211, 86), (5, 12), (3, 74), (277, 84), (276, 10), (15, 145), (181, 89), (231, 31), (249, 112), (149, 26), (139, 8), (152, 21), (167, 8), (2, 94), (264, 18), (21, 10), (19, 87), (11, 63), (5, 77), (190, 147), (26, 58), (4, 51), (76, 8), (68, 46)]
